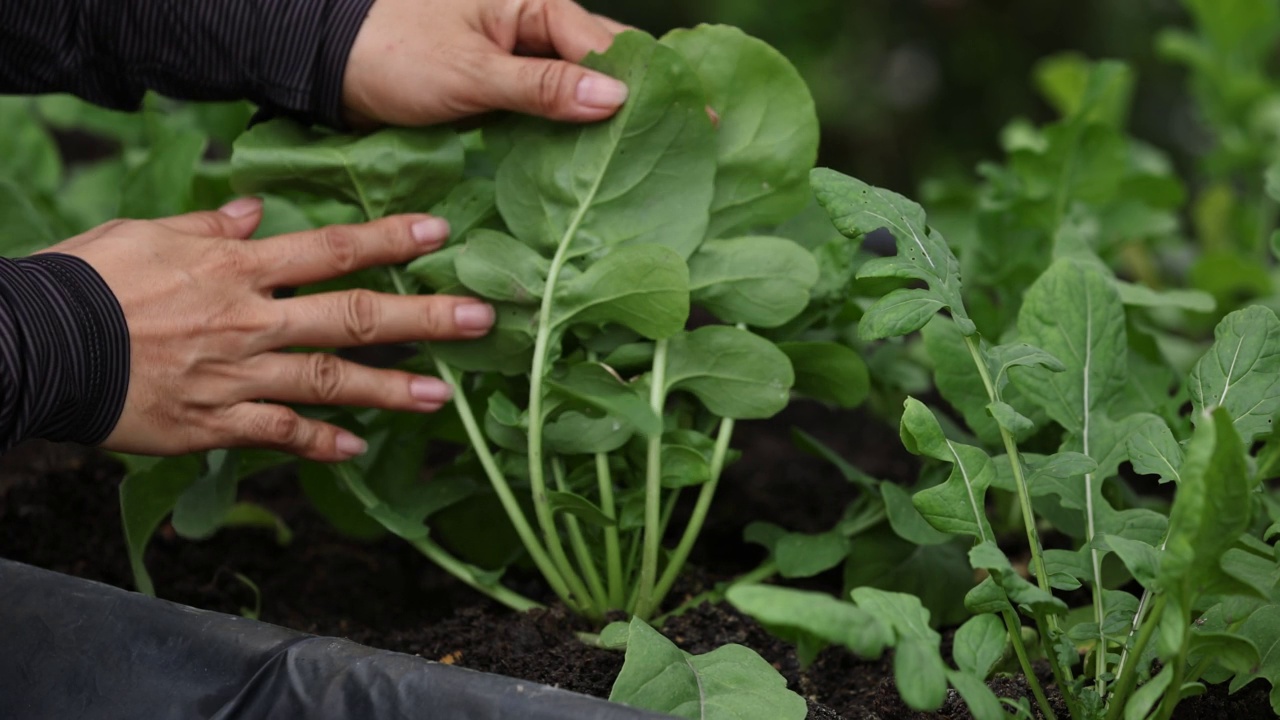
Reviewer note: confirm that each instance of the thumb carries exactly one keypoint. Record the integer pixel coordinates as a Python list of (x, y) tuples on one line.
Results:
[(553, 89), (237, 219)]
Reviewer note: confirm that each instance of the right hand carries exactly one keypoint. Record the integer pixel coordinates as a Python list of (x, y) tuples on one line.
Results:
[(205, 332)]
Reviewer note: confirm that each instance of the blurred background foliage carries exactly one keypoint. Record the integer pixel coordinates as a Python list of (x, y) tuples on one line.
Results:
[(913, 89)]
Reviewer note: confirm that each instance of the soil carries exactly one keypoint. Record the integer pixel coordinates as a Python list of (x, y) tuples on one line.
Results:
[(59, 510)]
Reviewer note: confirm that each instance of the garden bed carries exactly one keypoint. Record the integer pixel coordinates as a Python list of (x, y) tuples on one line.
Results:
[(59, 510)]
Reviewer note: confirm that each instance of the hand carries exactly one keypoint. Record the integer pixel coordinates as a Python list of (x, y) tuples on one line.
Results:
[(418, 62), (205, 332)]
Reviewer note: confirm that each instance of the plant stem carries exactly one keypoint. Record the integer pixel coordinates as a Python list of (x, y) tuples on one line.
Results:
[(612, 549), (503, 490), (653, 488), (1128, 674), (1173, 693), (1137, 617), (437, 554), (705, 494), (579, 543), (499, 482), (1020, 480), (537, 375), (1014, 628)]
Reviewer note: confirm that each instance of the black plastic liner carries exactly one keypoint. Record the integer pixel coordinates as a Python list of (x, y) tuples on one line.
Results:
[(71, 648)]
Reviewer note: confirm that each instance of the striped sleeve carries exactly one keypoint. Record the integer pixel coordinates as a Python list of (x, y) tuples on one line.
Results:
[(288, 56), (64, 351)]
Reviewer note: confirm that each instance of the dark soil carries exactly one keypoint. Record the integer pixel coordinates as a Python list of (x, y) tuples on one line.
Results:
[(59, 510)]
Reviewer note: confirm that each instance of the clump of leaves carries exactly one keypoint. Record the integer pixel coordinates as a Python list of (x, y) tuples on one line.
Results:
[(593, 404)]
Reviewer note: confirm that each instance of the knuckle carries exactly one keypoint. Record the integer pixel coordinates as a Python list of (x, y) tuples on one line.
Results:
[(552, 78), (278, 427), (326, 374), (437, 320), (360, 316), (341, 248), (228, 259)]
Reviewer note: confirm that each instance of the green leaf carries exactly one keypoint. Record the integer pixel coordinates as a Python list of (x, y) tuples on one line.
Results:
[(1144, 699), (507, 349), (983, 704), (760, 281), (1010, 419), (30, 153), (906, 520), (469, 205), (200, 510), (918, 668), (937, 574), (1196, 301), (589, 186), (828, 371), (390, 171), (575, 433), (735, 373), (800, 555), (987, 556), (1263, 628), (161, 185), (1154, 451), (811, 620), (766, 130), (595, 385), (728, 683), (499, 267), (958, 505), (23, 228), (340, 508), (644, 287), (1239, 372), (979, 644), (857, 209), (1142, 560), (579, 507), (147, 496), (247, 514), (900, 312), (1211, 508), (683, 467)]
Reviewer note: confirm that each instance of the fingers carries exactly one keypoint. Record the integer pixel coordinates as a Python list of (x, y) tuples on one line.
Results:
[(274, 427), (326, 379), (553, 89), (563, 28), (237, 219), (330, 252), (361, 317)]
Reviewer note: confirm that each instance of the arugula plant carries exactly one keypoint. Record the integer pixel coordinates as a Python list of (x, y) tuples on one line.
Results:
[(594, 403)]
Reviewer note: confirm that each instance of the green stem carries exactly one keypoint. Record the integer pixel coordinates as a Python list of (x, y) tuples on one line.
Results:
[(499, 482), (1173, 693), (612, 548), (653, 488), (1137, 617), (579, 544), (1020, 480), (537, 377), (1014, 628), (699, 516), (1128, 675), (438, 555), (503, 490)]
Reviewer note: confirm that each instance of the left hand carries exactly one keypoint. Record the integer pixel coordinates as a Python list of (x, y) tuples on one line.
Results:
[(419, 62)]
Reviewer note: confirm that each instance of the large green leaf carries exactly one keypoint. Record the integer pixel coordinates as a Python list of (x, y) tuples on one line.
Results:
[(856, 209), (766, 126), (499, 267), (760, 281), (735, 373), (390, 171), (811, 620), (161, 185), (30, 154), (644, 287), (729, 683), (646, 175), (958, 505), (1239, 372), (147, 495), (828, 371)]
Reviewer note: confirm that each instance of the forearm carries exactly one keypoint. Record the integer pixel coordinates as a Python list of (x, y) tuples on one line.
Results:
[(64, 352), (286, 55)]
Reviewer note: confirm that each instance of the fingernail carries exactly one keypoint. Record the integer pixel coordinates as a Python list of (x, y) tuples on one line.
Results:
[(430, 390), (473, 316), (350, 445), (241, 207), (430, 232), (601, 91)]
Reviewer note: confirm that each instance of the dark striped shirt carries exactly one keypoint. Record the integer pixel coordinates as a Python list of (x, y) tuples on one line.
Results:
[(64, 344)]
